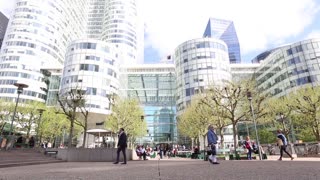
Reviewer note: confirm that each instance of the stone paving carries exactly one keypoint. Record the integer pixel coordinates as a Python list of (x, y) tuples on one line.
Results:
[(181, 169)]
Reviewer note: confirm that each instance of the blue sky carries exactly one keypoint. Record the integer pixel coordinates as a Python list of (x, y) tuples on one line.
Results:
[(260, 24)]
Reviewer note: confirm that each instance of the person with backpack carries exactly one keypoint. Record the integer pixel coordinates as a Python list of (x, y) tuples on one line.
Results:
[(248, 146), (282, 143)]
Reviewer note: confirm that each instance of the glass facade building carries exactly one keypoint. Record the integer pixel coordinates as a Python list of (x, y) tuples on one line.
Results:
[(91, 66), (286, 68), (36, 38), (154, 86), (3, 26), (200, 63), (225, 31)]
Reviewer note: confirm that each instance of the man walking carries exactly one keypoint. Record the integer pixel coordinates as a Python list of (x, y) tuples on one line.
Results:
[(122, 145), (212, 141), (282, 143)]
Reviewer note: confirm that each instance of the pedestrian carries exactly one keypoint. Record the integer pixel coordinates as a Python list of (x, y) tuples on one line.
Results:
[(122, 145), (282, 143), (212, 142), (31, 142), (248, 146)]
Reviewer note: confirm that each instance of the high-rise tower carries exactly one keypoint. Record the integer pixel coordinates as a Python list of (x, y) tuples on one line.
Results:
[(37, 37), (3, 26), (225, 31)]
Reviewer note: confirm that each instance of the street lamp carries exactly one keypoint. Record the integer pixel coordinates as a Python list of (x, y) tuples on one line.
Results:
[(40, 113), (249, 96), (19, 91)]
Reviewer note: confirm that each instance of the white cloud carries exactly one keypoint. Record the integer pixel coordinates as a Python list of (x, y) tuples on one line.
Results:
[(259, 24)]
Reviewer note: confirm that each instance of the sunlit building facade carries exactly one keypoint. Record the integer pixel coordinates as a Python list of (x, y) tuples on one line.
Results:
[(200, 63), (289, 67), (91, 66), (36, 38)]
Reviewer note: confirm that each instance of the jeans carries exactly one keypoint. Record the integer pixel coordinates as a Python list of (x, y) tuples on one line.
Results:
[(249, 154)]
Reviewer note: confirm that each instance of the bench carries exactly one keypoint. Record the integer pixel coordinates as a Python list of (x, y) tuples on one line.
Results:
[(51, 152)]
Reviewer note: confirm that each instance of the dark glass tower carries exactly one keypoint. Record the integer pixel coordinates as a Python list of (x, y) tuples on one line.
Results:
[(3, 26), (224, 30)]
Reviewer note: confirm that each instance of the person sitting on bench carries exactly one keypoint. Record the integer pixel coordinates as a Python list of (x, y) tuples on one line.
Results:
[(141, 152)]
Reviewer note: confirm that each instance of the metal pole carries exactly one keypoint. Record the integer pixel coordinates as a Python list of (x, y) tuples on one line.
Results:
[(14, 113), (255, 127)]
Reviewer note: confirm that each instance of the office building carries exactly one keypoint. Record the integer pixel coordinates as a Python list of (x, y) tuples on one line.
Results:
[(289, 67), (154, 87), (225, 31), (36, 39), (3, 26), (91, 66), (200, 63)]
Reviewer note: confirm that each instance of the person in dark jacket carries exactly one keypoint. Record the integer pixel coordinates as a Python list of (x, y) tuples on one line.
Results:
[(282, 143), (122, 145), (212, 141)]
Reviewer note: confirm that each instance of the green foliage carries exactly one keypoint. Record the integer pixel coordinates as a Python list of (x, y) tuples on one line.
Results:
[(306, 135), (127, 113), (52, 124), (306, 102), (266, 136)]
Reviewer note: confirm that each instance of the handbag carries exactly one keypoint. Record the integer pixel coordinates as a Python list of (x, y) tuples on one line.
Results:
[(279, 142)]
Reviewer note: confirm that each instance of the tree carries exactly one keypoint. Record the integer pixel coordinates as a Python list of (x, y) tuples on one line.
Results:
[(52, 124), (217, 116), (127, 114), (279, 111), (232, 100), (28, 115), (6, 109), (70, 103), (306, 101)]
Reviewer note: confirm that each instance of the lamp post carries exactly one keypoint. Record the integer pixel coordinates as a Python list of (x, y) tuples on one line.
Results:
[(20, 87), (249, 96), (39, 121)]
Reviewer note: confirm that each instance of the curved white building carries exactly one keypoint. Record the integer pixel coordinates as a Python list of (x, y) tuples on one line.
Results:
[(36, 38), (91, 65), (287, 68), (200, 63), (121, 27)]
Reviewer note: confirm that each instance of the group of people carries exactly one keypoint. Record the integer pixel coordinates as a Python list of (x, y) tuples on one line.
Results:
[(282, 142), (212, 143)]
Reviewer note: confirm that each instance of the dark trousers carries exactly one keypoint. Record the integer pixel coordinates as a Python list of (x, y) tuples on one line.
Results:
[(283, 148), (249, 154), (213, 149), (123, 149)]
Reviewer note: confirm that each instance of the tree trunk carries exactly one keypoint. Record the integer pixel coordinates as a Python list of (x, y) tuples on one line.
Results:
[(85, 133), (204, 147), (235, 137), (222, 138), (71, 133)]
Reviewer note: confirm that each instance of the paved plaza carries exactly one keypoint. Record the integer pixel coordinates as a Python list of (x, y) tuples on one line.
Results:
[(299, 169)]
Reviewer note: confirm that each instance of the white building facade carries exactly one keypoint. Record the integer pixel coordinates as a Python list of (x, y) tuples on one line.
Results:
[(36, 38), (200, 63), (91, 65)]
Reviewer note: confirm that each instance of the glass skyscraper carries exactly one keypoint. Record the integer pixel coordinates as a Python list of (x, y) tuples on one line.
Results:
[(3, 26), (225, 31)]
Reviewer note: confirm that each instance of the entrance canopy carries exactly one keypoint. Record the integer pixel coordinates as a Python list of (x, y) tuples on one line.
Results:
[(100, 132)]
